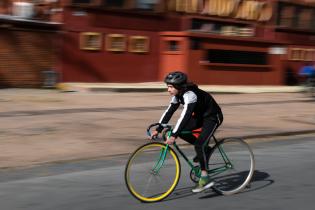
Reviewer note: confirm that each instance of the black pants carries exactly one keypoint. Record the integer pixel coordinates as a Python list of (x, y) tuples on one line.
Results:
[(208, 126)]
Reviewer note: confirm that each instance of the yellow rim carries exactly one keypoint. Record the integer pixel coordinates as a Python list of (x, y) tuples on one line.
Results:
[(135, 193)]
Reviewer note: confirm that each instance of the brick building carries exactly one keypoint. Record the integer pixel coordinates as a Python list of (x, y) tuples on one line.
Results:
[(231, 42), (29, 41)]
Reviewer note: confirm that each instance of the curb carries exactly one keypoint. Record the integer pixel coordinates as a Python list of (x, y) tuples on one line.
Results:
[(127, 89), (160, 87), (268, 135)]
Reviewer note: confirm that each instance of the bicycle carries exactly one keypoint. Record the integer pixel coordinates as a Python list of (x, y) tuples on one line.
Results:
[(153, 170), (310, 86), (307, 76)]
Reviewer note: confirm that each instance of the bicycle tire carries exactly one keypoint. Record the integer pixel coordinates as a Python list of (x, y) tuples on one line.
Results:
[(147, 177), (231, 178)]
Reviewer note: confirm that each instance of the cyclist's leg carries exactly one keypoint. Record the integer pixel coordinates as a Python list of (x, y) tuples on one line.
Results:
[(189, 137), (209, 126), (203, 153), (201, 143)]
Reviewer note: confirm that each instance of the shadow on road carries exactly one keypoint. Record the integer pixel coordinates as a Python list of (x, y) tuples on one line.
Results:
[(181, 193), (259, 180)]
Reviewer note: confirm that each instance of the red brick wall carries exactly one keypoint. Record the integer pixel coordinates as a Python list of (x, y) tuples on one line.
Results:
[(105, 66), (24, 54)]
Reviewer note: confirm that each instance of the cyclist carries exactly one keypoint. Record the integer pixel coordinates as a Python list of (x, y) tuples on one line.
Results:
[(200, 111), (308, 71)]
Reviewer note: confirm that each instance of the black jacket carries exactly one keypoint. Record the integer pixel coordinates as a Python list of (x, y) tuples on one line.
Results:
[(197, 104)]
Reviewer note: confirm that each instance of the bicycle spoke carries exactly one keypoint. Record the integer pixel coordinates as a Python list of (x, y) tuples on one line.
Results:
[(147, 185)]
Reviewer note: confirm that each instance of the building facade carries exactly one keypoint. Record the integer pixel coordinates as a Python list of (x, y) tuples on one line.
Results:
[(230, 42), (29, 42)]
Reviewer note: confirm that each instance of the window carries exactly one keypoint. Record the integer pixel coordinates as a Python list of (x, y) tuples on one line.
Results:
[(114, 3), (176, 45), (139, 44), (296, 15), (173, 45), (301, 54), (237, 57), (310, 55), (287, 16), (90, 41), (81, 1), (116, 42), (305, 19), (222, 27), (296, 54), (146, 4)]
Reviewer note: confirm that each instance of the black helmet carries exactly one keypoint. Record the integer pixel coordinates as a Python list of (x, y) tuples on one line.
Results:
[(177, 79)]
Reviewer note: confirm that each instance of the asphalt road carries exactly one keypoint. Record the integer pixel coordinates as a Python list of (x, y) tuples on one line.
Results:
[(284, 179)]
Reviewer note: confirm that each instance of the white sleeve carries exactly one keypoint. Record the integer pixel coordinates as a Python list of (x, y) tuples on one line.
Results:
[(190, 97)]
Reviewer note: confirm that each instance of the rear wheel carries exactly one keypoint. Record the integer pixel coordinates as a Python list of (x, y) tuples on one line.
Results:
[(152, 172), (231, 166)]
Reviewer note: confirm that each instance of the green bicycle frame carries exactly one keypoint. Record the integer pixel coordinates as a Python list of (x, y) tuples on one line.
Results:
[(215, 171), (228, 163)]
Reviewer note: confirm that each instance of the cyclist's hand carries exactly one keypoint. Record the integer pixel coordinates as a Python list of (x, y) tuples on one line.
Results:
[(170, 140), (154, 134)]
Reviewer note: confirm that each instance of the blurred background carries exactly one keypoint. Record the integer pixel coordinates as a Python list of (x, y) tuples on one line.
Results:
[(221, 42)]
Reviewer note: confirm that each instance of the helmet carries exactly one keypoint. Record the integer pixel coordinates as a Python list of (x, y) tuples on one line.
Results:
[(177, 79)]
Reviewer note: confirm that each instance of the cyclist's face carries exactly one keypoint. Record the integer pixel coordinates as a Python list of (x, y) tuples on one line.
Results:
[(172, 90)]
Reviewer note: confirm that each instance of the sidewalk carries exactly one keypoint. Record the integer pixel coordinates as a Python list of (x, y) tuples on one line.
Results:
[(47, 126)]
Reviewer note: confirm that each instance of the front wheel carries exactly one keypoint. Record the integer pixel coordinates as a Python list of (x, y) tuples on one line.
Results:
[(231, 166), (152, 172)]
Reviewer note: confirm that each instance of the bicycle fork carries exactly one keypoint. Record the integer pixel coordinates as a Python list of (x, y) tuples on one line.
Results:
[(160, 162)]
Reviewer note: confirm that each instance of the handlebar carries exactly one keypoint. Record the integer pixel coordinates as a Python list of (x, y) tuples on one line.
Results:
[(165, 126)]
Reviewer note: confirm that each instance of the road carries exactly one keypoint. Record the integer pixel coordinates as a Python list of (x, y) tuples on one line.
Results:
[(284, 179)]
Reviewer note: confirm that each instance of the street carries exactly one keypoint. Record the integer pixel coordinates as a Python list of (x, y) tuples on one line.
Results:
[(85, 84), (284, 179), (68, 150)]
